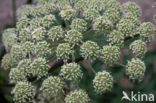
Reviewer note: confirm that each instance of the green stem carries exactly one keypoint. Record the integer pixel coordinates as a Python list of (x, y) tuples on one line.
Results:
[(90, 66)]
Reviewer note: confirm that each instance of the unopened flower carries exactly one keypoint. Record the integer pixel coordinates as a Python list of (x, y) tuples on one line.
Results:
[(91, 14), (48, 21), (67, 13), (39, 33)]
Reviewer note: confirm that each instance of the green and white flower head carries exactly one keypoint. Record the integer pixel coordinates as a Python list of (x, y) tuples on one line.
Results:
[(24, 66), (24, 11), (16, 75), (133, 18), (113, 15), (133, 8), (71, 72), (9, 38), (35, 23), (79, 24), (25, 35), (23, 92), (89, 50), (146, 30), (39, 33), (40, 67), (49, 8), (116, 38), (8, 62), (67, 13), (91, 14), (64, 51), (135, 69), (22, 23), (37, 11), (16, 53), (97, 4), (81, 5), (102, 25), (52, 86), (28, 48), (42, 49), (139, 48), (55, 33), (110, 54), (77, 96), (102, 82), (48, 21), (73, 37), (127, 27)]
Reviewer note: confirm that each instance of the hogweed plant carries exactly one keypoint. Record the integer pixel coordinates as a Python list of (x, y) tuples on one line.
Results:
[(60, 34)]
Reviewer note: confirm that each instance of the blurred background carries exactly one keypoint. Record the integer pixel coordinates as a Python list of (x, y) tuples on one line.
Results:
[(8, 19)]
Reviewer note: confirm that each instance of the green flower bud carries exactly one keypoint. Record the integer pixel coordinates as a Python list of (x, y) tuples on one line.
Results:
[(97, 4), (23, 92), (16, 53), (102, 82), (113, 15), (77, 96), (48, 21), (127, 27), (67, 13), (91, 14), (73, 37), (35, 23), (24, 11), (8, 62), (16, 75), (55, 33), (110, 54), (52, 86), (135, 69), (22, 23), (139, 48), (79, 24), (40, 67), (116, 38), (71, 72), (49, 8), (42, 49), (103, 25), (37, 11), (89, 50), (64, 51), (81, 5), (25, 35), (133, 8), (39, 33), (27, 48), (146, 30)]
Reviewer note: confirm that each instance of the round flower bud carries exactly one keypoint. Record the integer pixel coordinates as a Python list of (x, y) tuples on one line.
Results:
[(114, 4), (16, 75), (97, 4), (81, 5), (48, 21), (77, 96), (25, 35), (39, 33), (135, 69), (73, 37), (24, 66), (67, 13), (89, 49), (71, 72), (22, 23), (7, 62), (102, 82), (42, 49), (52, 86), (133, 8), (23, 92), (139, 48), (24, 11), (40, 67), (35, 23), (146, 30), (103, 25), (49, 8), (79, 24), (127, 27), (113, 15), (9, 38), (91, 14), (116, 38), (37, 11), (27, 48), (132, 18), (55, 33), (110, 54), (64, 51), (16, 53)]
